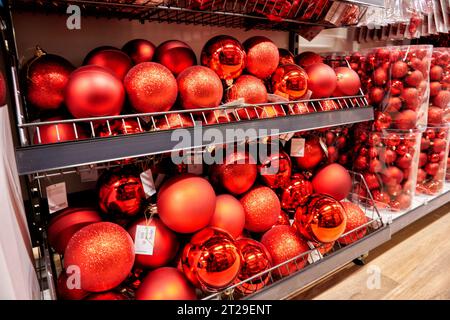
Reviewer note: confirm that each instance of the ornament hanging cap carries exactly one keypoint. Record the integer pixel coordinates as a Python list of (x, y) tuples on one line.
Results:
[(39, 52)]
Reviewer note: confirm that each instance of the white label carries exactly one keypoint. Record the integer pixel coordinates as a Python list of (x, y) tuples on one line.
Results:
[(144, 240), (147, 183), (314, 255), (88, 175), (285, 137), (298, 147), (57, 197)]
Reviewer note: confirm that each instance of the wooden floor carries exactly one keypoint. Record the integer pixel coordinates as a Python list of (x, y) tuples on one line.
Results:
[(414, 264)]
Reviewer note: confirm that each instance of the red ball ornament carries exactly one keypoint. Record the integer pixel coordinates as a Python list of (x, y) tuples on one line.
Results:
[(435, 88), (284, 243), (151, 87), (380, 76), (436, 73), (399, 69), (404, 161), (118, 127), (348, 82), (275, 169), (371, 180), (175, 55), (165, 284), (406, 120), (261, 207), (313, 154), (295, 193), (225, 55), (139, 50), (104, 254), (333, 180), (376, 95), (414, 78), (199, 87), (186, 203), (65, 293), (211, 260), (249, 88), (164, 245), (355, 219), (286, 57), (229, 215), (112, 59), (110, 295), (442, 99), (173, 121), (53, 133), (435, 115), (289, 81), (283, 219), (262, 56), (392, 175), (322, 80), (307, 58)]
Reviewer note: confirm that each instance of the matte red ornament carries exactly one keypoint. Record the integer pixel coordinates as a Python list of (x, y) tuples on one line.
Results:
[(53, 133), (262, 56), (286, 57), (229, 215), (63, 291), (175, 55), (308, 58), (139, 50), (333, 180), (275, 169), (104, 254), (295, 193), (322, 80), (115, 60), (249, 88), (313, 154), (289, 81), (355, 219), (348, 82), (165, 284), (110, 295)]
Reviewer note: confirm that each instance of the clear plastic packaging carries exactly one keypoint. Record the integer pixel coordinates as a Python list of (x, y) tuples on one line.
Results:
[(439, 106)]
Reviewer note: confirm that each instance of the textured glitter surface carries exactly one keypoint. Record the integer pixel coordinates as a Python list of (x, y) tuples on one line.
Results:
[(262, 56), (248, 87), (355, 218)]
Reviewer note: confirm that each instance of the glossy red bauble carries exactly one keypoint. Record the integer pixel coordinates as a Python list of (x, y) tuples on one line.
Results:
[(355, 220), (376, 95), (174, 121), (286, 57), (436, 73), (414, 78), (289, 81), (275, 170), (322, 80), (295, 193), (112, 59), (175, 55), (229, 215), (307, 58), (118, 127), (435, 88), (313, 155), (249, 88), (348, 82), (139, 50), (53, 133), (435, 115), (67, 289), (333, 180), (405, 120), (399, 69), (262, 56)]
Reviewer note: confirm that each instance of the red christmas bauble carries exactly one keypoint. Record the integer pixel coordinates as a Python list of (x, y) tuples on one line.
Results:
[(114, 60), (249, 88), (186, 203), (118, 127), (104, 254), (174, 121), (308, 58), (93, 91), (435, 115), (262, 207), (262, 56), (218, 116), (225, 55), (110, 295), (296, 192), (2, 89), (255, 259), (175, 55), (321, 80), (392, 175), (53, 133), (289, 81), (284, 243), (283, 219), (286, 57), (151, 87), (405, 120), (313, 154), (211, 260), (64, 225), (322, 219), (164, 244), (199, 87), (139, 50), (229, 215), (165, 284), (275, 169), (46, 77), (333, 180), (65, 293), (355, 219), (442, 99), (348, 82)]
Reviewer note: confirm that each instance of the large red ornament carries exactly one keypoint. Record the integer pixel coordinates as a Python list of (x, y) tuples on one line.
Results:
[(289, 81), (229, 215), (164, 246), (225, 55), (199, 87), (110, 295), (313, 154), (139, 50), (151, 87), (286, 57), (249, 88), (94, 91), (104, 254), (65, 293), (114, 60), (211, 260), (165, 284), (275, 170), (64, 225), (284, 243), (322, 219), (348, 82), (322, 80), (53, 133), (262, 207), (262, 56), (308, 58), (255, 259), (46, 77), (175, 55), (355, 219), (333, 180), (296, 192), (186, 203)]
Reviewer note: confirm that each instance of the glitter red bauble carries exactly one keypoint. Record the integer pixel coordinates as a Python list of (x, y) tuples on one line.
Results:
[(262, 207), (165, 244), (286, 57), (93, 91), (175, 55), (53, 133), (262, 56), (355, 219), (249, 88), (64, 292), (211, 260), (165, 284), (307, 58), (296, 192), (186, 203), (275, 169), (284, 243), (46, 77), (255, 259), (104, 254), (322, 219), (2, 89), (139, 50), (64, 225), (151, 87), (289, 81), (313, 154), (110, 295), (229, 215), (114, 60), (333, 180), (225, 55), (174, 121), (322, 80), (348, 82), (199, 87)]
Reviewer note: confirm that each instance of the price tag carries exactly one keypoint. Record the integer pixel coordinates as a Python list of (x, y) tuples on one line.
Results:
[(298, 147), (315, 255), (57, 197), (89, 175), (147, 183), (144, 240)]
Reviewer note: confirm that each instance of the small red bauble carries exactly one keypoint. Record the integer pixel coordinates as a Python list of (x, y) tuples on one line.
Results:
[(348, 82), (396, 87), (262, 56), (414, 78), (151, 87), (103, 252), (376, 95), (307, 58), (286, 57), (371, 180), (435, 88), (118, 127), (333, 180), (53, 133), (423, 159), (406, 120), (361, 163), (229, 215), (432, 168), (165, 284), (399, 69), (313, 155), (382, 198), (436, 73), (112, 59), (174, 121), (321, 80), (295, 193), (380, 76), (355, 219), (392, 175), (175, 55), (139, 50), (411, 98), (404, 161), (275, 170), (289, 81), (110, 295), (249, 88), (442, 99), (439, 145), (435, 115), (65, 293), (261, 207)]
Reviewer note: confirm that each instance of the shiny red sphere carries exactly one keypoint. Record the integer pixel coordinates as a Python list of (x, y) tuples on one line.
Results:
[(139, 50), (114, 60), (53, 133), (333, 180), (175, 55)]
